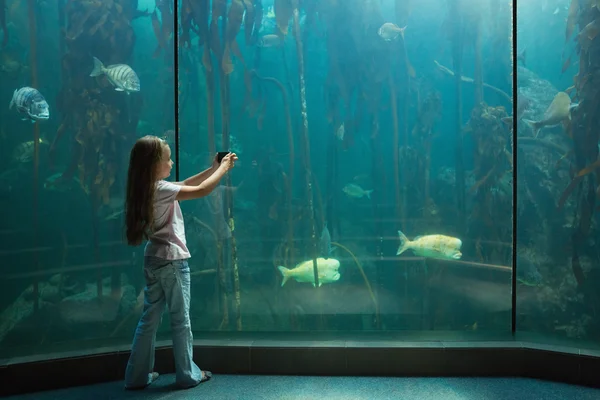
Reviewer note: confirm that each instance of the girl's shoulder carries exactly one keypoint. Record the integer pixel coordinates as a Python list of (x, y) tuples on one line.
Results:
[(166, 191)]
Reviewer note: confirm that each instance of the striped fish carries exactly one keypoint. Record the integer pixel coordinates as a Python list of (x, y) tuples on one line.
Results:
[(30, 102), (121, 76)]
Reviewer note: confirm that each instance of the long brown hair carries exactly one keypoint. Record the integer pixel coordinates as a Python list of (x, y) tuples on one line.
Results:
[(141, 182)]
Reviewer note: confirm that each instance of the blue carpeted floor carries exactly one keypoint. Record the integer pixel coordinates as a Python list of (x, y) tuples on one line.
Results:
[(238, 387)]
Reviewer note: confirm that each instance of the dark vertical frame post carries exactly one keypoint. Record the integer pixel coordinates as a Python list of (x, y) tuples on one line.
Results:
[(514, 169), (176, 81)]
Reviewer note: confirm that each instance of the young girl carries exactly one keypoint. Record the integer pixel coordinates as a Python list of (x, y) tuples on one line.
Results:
[(152, 212)]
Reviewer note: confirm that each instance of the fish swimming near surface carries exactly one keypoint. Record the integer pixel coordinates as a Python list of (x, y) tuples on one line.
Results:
[(121, 76), (431, 246), (353, 190), (390, 31), (558, 111), (30, 102), (304, 272)]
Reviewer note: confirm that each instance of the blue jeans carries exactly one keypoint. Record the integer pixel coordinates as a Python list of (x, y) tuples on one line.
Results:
[(167, 282)]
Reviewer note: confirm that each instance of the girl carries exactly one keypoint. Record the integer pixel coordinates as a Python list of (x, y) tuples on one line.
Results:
[(152, 212)]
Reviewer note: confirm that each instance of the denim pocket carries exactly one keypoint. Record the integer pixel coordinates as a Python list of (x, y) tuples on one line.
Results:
[(184, 267)]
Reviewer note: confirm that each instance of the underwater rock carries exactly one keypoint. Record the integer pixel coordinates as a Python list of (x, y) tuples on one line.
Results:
[(22, 307), (539, 94), (88, 307), (79, 308)]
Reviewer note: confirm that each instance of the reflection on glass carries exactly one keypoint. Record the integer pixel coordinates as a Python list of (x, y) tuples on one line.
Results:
[(69, 282), (374, 188)]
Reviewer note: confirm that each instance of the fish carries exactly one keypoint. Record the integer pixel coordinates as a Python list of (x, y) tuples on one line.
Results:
[(340, 132), (23, 153), (431, 246), (304, 272), (29, 101), (325, 243), (353, 190), (558, 111), (10, 65), (390, 31), (269, 41), (121, 76)]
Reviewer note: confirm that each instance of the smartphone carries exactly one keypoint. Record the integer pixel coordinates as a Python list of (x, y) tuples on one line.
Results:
[(221, 154)]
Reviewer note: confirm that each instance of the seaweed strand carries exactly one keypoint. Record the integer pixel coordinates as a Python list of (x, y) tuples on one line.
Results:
[(305, 140), (36, 140)]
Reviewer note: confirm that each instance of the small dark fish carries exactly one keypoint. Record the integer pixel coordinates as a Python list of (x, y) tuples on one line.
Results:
[(121, 76), (30, 102)]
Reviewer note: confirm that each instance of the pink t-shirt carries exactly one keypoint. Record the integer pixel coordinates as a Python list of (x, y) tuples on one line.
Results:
[(168, 239)]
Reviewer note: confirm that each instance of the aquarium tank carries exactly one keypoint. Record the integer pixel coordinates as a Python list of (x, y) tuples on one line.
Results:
[(389, 182)]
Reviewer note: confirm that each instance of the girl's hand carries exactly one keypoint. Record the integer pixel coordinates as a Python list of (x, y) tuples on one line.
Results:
[(228, 162), (215, 163)]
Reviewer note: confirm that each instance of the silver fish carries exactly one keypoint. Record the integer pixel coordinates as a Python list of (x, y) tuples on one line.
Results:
[(390, 31), (356, 191), (121, 76), (30, 101), (269, 41)]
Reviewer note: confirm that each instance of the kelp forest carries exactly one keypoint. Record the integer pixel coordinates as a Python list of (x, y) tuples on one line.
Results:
[(376, 189)]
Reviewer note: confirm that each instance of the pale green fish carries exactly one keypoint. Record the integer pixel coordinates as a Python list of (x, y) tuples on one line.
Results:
[(431, 246), (353, 190), (304, 272), (558, 111)]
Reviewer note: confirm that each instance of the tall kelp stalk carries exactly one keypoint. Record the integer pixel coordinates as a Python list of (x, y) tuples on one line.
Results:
[(290, 136), (478, 75), (102, 121), (379, 177), (198, 12), (402, 16), (398, 199), (331, 218), (230, 26), (31, 6), (456, 20), (585, 127), (492, 160), (284, 10)]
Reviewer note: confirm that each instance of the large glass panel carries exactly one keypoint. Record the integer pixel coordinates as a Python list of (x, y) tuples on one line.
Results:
[(353, 120), (558, 261), (68, 281)]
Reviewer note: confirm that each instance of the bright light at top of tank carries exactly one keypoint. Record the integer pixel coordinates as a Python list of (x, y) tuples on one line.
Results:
[(149, 4)]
